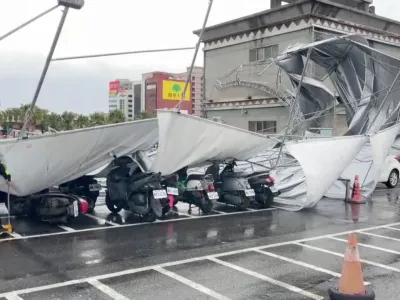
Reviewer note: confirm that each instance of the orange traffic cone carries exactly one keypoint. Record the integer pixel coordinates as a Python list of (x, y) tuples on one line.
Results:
[(356, 193), (351, 283)]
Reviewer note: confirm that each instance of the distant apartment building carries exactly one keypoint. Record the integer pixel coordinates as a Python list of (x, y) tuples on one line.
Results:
[(164, 90), (125, 95)]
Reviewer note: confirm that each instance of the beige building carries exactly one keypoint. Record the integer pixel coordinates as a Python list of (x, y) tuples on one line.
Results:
[(247, 97)]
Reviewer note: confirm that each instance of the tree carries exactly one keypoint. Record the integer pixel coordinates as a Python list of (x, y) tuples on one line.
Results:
[(82, 121), (68, 119), (144, 115), (98, 118), (116, 116)]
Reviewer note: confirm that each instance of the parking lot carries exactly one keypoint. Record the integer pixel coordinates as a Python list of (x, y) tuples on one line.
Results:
[(257, 254)]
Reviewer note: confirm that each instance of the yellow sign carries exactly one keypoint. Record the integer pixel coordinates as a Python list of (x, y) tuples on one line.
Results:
[(172, 90)]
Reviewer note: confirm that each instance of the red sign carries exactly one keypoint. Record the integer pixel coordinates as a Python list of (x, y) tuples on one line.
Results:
[(114, 87)]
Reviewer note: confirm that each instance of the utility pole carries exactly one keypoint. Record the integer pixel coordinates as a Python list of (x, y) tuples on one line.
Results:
[(189, 76), (74, 4)]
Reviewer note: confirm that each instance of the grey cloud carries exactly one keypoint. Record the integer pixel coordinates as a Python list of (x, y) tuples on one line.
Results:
[(80, 87)]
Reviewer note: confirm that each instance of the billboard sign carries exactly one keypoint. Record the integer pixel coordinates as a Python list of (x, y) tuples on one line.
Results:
[(114, 88), (172, 90)]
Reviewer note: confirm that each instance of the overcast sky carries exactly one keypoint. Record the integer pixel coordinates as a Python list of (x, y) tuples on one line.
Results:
[(106, 26)]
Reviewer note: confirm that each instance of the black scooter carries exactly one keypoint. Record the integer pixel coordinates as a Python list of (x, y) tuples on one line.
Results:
[(262, 184), (130, 187)]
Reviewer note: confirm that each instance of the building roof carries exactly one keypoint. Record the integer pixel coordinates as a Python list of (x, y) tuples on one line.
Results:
[(300, 9)]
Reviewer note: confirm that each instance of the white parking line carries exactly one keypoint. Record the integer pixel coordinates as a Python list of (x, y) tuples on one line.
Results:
[(132, 225), (382, 236), (66, 228), (342, 255), (191, 284), (194, 259), (268, 279), (188, 215), (297, 262), (104, 221), (107, 290), (368, 246), (392, 228), (220, 212), (14, 297)]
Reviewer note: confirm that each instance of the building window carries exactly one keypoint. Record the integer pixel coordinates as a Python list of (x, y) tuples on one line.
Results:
[(193, 78), (263, 53), (121, 104), (129, 116), (264, 127)]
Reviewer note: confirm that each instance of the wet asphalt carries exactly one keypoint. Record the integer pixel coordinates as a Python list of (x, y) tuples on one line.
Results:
[(231, 254)]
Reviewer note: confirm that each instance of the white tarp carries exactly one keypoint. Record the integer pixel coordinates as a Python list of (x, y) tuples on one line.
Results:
[(43, 161), (186, 140), (323, 161), (381, 143)]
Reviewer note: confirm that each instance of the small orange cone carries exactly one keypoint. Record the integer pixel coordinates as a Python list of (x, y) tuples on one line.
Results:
[(356, 193), (351, 282)]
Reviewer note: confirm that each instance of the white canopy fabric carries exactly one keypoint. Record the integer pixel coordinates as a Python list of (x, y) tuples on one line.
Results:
[(43, 161), (186, 140), (323, 161), (381, 144)]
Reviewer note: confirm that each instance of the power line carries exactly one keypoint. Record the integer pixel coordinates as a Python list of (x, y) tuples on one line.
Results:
[(123, 53), (28, 22)]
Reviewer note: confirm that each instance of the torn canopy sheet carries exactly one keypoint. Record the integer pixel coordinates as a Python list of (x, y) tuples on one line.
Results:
[(43, 161), (186, 140), (323, 161)]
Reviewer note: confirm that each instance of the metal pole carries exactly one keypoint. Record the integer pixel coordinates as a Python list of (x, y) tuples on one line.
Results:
[(334, 118), (121, 53), (384, 100), (189, 76), (44, 72), (28, 22), (292, 108)]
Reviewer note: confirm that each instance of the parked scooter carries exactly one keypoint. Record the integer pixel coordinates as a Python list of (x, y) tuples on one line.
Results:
[(194, 189), (131, 187), (51, 207), (85, 187), (263, 185), (233, 187)]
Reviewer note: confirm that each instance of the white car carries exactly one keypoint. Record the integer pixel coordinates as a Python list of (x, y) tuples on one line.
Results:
[(390, 171)]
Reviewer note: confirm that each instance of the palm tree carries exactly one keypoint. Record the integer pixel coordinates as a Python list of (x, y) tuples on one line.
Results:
[(116, 116), (82, 121), (69, 119), (98, 118)]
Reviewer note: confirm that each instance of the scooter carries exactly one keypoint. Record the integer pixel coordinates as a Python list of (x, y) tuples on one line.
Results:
[(195, 189), (51, 207), (131, 187), (85, 187), (233, 187), (263, 185)]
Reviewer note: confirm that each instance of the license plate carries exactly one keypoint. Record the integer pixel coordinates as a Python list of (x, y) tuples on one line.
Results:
[(94, 187), (213, 195), (172, 191), (159, 194), (249, 193), (75, 208)]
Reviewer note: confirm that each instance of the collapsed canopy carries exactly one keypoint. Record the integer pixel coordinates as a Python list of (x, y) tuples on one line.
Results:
[(365, 79), (40, 162), (186, 140)]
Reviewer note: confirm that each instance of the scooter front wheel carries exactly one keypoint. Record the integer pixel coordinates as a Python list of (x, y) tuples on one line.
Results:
[(149, 217), (112, 205), (206, 205)]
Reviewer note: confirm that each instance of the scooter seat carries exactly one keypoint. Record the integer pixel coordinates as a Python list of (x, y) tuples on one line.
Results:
[(195, 177)]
